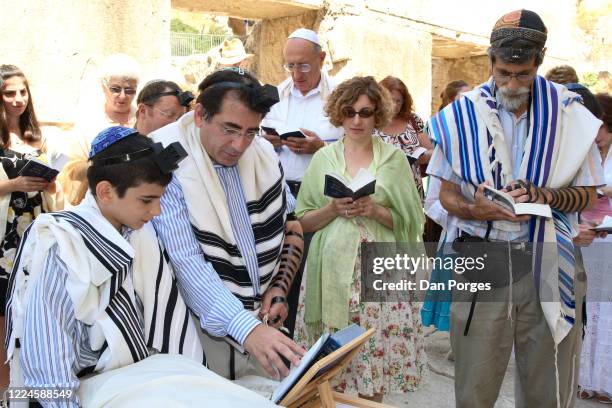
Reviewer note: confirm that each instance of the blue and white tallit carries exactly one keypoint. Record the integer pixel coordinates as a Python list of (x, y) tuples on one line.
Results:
[(561, 133)]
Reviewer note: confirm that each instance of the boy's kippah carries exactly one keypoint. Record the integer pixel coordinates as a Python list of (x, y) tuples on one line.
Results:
[(109, 136)]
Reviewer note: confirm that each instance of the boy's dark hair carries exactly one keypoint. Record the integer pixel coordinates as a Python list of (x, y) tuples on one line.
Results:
[(241, 84), (130, 174)]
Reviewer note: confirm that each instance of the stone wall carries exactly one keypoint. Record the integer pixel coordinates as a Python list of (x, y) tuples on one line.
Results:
[(378, 48), (60, 46), (267, 41), (355, 45), (474, 71)]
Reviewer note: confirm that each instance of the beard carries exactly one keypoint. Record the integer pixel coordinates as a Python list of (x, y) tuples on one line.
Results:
[(512, 100)]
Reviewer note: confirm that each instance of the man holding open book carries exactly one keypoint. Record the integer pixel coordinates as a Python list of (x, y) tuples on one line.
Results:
[(533, 140)]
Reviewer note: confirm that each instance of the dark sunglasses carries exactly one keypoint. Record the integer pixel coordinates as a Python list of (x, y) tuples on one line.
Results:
[(363, 113), (117, 90)]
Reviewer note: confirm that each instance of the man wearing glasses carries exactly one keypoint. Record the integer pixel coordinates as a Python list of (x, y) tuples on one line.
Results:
[(225, 223), (534, 140), (302, 98), (160, 103)]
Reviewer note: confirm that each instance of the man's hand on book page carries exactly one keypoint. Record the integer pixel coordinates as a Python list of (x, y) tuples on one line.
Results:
[(267, 344), (277, 312), (343, 207), (486, 210)]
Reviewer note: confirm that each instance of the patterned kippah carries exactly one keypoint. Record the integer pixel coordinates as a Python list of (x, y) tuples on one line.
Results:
[(519, 24), (108, 137)]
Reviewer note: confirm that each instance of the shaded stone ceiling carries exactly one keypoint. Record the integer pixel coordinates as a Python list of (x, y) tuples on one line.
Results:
[(249, 9), (443, 47)]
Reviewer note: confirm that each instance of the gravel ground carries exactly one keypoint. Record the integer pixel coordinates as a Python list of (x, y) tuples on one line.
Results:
[(438, 389)]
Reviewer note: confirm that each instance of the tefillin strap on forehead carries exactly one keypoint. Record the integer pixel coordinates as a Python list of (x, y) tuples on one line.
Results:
[(167, 158), (184, 97), (264, 95)]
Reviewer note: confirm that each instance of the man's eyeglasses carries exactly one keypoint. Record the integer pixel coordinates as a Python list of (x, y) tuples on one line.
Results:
[(235, 133), (168, 114), (363, 113), (118, 89), (504, 77), (304, 68)]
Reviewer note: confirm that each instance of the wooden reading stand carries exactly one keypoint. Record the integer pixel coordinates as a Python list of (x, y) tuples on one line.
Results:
[(310, 392)]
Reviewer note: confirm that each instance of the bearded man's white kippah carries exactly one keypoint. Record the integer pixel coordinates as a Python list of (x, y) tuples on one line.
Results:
[(306, 34)]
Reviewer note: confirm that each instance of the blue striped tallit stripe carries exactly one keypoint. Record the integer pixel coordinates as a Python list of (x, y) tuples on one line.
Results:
[(463, 149), (446, 134), (533, 132), (469, 105), (566, 280), (567, 299), (542, 128)]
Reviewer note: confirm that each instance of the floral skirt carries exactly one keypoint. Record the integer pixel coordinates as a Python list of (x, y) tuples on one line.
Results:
[(392, 360)]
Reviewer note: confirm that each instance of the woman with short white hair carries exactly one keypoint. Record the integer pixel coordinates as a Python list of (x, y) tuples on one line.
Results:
[(118, 75)]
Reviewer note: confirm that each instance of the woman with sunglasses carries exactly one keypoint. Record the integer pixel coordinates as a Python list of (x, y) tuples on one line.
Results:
[(405, 130), (119, 82), (394, 361)]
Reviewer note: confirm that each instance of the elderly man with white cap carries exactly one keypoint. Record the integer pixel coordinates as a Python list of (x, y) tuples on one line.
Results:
[(302, 98)]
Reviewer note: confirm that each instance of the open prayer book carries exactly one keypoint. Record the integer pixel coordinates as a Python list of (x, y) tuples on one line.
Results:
[(506, 201), (606, 225), (37, 168), (363, 184), (339, 342)]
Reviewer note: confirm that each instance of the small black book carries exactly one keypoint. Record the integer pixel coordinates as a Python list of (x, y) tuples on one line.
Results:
[(293, 133), (336, 186), (36, 168)]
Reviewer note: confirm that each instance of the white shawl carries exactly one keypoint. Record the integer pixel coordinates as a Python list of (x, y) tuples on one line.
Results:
[(105, 274), (263, 184)]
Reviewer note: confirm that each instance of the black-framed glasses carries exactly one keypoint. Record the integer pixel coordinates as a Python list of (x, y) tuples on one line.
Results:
[(364, 113), (116, 89), (304, 68)]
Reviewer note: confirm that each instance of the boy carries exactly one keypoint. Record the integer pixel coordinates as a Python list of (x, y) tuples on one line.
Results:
[(91, 290)]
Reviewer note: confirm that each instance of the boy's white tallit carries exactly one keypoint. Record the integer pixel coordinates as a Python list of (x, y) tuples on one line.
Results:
[(162, 381), (99, 263)]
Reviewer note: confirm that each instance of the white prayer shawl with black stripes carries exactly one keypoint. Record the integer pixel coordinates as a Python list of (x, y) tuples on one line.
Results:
[(263, 185), (561, 133), (99, 262)]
